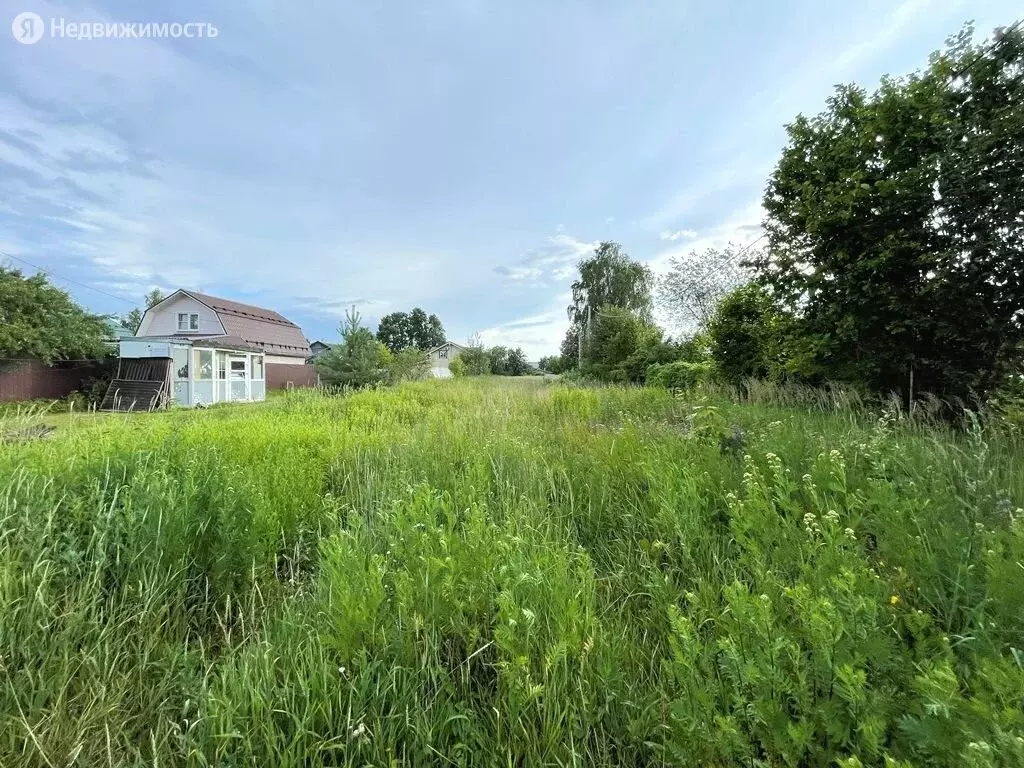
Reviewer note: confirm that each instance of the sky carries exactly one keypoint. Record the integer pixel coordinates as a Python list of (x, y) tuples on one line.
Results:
[(457, 155)]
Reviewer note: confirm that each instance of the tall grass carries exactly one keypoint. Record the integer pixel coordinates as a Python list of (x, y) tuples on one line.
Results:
[(493, 572)]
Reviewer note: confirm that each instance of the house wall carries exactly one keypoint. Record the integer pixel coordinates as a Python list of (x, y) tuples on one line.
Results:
[(134, 348), (162, 320), (441, 358), (285, 360)]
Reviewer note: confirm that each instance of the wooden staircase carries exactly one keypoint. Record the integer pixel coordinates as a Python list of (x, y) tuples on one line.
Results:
[(141, 384)]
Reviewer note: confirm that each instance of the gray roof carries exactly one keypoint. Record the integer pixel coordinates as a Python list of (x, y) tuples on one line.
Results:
[(218, 341), (257, 327), (444, 344)]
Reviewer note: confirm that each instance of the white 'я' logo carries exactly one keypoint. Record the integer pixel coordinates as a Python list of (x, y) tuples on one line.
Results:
[(27, 27)]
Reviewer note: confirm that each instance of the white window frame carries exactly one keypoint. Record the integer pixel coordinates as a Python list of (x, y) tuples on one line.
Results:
[(188, 322)]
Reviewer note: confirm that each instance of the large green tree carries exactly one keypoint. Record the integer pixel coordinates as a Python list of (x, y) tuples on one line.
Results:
[(895, 227), (517, 364), (616, 337), (42, 322), (608, 278), (400, 330), (393, 331)]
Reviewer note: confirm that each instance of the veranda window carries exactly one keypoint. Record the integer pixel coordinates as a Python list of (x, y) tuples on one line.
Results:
[(204, 364)]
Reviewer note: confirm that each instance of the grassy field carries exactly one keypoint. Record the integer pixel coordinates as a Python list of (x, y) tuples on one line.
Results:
[(500, 572)]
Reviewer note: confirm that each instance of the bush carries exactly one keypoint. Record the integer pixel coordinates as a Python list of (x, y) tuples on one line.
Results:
[(679, 375), (614, 348), (359, 361), (458, 367), (407, 365), (744, 335), (476, 359)]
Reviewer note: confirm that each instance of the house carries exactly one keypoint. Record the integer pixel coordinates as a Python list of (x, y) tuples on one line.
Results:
[(318, 348), (195, 349), (441, 356), (115, 332)]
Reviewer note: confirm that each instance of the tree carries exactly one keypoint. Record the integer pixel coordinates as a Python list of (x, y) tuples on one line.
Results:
[(744, 334), (425, 332), (434, 335), (400, 330), (358, 361), (609, 278), (570, 348), (475, 357), (393, 331), (40, 321), (133, 319), (616, 336), (516, 364), (499, 360), (555, 364), (894, 225), (694, 284)]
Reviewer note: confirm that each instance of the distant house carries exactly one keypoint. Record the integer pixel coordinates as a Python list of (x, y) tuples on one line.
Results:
[(318, 348), (441, 356), (192, 349), (115, 332)]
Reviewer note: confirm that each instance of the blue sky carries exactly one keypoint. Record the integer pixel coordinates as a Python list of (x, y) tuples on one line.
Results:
[(458, 155)]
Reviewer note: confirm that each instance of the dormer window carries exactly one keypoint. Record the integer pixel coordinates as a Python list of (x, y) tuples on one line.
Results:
[(188, 321)]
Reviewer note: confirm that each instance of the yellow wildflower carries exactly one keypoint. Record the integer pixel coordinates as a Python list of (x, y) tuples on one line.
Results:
[(894, 600)]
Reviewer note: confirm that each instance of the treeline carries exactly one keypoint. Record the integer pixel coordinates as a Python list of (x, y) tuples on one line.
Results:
[(892, 257), (478, 360), (398, 352)]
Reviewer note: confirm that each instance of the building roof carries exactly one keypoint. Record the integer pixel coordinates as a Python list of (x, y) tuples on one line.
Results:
[(214, 342), (444, 344), (116, 331), (260, 328)]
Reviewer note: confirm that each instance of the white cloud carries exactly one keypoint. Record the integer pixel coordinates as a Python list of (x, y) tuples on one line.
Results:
[(553, 261), (539, 335), (741, 228), (679, 234)]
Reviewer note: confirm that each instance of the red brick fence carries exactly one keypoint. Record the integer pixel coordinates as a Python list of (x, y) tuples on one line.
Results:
[(33, 380)]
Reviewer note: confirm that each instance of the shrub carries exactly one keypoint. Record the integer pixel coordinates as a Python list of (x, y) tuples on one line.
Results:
[(743, 334), (358, 361), (679, 375), (476, 359), (458, 367), (409, 364)]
